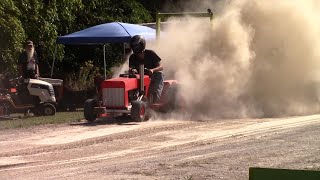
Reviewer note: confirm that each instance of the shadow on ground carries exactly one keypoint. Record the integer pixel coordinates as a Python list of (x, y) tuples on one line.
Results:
[(122, 120)]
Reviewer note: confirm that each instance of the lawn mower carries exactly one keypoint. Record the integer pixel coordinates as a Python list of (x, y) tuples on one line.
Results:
[(23, 95), (128, 95)]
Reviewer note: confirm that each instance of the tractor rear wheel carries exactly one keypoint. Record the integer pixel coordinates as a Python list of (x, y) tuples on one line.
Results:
[(171, 96), (89, 105), (138, 111)]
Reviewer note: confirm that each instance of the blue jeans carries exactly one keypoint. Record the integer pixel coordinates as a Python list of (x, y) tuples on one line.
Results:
[(156, 85)]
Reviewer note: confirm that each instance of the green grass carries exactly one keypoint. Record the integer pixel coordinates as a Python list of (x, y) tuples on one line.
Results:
[(24, 122), (188, 178)]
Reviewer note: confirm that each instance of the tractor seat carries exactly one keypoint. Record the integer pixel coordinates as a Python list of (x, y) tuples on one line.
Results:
[(128, 75)]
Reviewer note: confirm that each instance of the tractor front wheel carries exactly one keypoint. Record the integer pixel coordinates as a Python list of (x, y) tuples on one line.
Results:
[(89, 105), (48, 109), (138, 111)]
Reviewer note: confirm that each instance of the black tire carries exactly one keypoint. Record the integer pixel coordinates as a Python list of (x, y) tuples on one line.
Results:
[(37, 112), (5, 108), (138, 111), (171, 96), (89, 105), (48, 109), (72, 107)]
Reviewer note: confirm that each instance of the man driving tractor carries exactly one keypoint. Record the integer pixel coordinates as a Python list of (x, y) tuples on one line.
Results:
[(135, 95), (152, 65)]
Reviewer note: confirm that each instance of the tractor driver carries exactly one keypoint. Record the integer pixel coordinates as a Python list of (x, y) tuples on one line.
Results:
[(151, 63)]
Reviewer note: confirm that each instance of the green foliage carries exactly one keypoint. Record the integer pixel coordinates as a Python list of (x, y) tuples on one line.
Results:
[(42, 21), (67, 15), (164, 6), (97, 12), (84, 78), (11, 36), (27, 122), (188, 178), (102, 11)]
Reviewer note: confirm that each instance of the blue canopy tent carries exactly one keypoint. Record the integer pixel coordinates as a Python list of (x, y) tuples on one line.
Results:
[(115, 32)]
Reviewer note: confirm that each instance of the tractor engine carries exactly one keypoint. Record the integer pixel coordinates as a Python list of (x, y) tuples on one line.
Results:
[(118, 93)]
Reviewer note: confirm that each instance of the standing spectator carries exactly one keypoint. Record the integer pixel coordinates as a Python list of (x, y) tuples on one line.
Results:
[(28, 62)]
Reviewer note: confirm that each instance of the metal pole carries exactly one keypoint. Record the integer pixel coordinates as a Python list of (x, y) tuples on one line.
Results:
[(158, 20), (104, 62), (210, 14), (194, 14), (124, 50), (54, 57), (141, 73)]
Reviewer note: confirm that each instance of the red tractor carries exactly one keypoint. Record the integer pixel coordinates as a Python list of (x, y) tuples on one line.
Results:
[(128, 95)]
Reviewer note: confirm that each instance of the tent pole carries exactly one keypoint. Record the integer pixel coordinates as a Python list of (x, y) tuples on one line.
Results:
[(54, 57), (124, 49), (104, 62)]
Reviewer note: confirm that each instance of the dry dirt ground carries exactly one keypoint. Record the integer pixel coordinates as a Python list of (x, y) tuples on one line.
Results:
[(160, 149)]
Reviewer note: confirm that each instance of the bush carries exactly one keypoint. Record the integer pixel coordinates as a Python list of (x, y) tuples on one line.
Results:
[(82, 79)]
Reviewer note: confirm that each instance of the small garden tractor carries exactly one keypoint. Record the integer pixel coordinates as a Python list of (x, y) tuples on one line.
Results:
[(128, 94), (27, 94)]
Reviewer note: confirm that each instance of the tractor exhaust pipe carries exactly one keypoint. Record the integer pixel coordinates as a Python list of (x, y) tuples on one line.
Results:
[(141, 73)]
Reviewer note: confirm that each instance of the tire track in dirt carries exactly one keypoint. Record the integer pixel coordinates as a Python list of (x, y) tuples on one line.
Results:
[(100, 139), (206, 131)]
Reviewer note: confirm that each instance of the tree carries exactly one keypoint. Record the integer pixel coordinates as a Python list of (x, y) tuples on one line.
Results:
[(11, 37), (97, 12), (42, 21)]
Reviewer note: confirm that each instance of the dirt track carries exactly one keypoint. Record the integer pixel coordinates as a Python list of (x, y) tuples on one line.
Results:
[(170, 149)]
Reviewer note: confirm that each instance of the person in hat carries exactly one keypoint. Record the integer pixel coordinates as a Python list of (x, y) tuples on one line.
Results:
[(28, 62), (151, 63)]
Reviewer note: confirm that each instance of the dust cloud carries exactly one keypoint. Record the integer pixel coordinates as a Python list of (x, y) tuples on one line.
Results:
[(256, 59)]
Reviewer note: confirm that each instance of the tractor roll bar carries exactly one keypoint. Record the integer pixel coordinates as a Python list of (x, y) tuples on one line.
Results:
[(141, 71), (159, 15)]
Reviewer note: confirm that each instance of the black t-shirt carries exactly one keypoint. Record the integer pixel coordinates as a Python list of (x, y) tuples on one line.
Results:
[(151, 60), (28, 67)]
